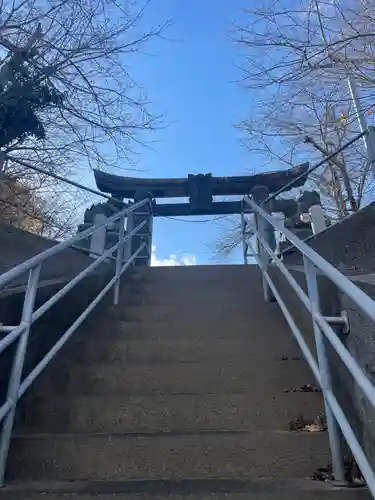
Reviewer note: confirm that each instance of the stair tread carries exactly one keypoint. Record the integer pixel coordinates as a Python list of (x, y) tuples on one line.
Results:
[(215, 455), (223, 350), (221, 489), (198, 325), (179, 413), (181, 390), (179, 378)]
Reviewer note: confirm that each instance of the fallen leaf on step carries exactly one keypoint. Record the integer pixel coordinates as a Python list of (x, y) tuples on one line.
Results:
[(312, 428)]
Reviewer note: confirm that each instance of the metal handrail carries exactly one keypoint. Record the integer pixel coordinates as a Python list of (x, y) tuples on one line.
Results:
[(20, 333), (322, 330), (24, 267), (351, 290)]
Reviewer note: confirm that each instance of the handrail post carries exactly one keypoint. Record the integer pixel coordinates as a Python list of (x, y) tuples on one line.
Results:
[(334, 434), (17, 367), (119, 258), (129, 228), (259, 227), (150, 224), (266, 232), (243, 236)]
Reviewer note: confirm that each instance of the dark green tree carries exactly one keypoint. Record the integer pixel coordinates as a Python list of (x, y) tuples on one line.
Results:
[(23, 95)]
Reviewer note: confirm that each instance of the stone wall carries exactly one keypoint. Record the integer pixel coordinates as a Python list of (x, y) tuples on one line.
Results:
[(349, 246)]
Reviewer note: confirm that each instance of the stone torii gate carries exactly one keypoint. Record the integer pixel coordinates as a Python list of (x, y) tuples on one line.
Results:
[(200, 190)]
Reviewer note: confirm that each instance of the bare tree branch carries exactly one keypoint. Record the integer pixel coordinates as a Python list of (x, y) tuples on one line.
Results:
[(83, 50), (296, 56)]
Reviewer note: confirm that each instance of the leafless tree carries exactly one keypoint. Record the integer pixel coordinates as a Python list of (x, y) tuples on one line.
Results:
[(301, 53), (296, 56), (308, 127), (308, 40), (83, 51)]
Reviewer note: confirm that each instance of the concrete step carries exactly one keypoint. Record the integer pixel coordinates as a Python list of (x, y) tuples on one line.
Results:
[(261, 489), (223, 350), (188, 456), (177, 296), (171, 279), (183, 383), (218, 306), (196, 273), (168, 311), (183, 413), (172, 293), (263, 374), (213, 285), (190, 327), (205, 287), (207, 290)]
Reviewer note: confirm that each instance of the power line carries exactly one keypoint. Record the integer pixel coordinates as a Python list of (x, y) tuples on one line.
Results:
[(326, 159), (62, 179)]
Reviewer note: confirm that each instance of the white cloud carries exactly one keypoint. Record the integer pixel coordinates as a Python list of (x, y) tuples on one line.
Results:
[(172, 260)]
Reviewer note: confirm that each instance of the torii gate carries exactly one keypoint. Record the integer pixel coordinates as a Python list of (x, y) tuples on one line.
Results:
[(200, 190)]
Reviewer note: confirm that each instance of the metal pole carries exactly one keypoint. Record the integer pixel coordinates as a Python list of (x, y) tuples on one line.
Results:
[(129, 228), (369, 137), (334, 433), (266, 232), (243, 230), (17, 367), (63, 179), (149, 242), (119, 258), (259, 224), (355, 98)]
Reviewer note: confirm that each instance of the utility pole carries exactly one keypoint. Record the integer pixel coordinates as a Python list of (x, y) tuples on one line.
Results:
[(369, 137)]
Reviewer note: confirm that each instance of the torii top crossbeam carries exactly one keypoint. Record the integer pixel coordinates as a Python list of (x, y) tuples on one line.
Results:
[(129, 187), (200, 189)]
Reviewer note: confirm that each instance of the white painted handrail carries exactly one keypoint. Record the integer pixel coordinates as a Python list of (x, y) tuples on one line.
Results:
[(20, 333), (314, 263), (24, 267)]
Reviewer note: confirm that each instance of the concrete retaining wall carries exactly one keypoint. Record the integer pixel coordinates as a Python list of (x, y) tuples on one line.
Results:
[(349, 246), (48, 329)]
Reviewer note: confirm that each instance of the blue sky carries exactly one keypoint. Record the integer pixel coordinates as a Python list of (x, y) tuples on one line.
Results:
[(190, 78)]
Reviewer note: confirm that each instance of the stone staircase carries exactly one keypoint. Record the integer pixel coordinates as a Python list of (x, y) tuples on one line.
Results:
[(179, 392)]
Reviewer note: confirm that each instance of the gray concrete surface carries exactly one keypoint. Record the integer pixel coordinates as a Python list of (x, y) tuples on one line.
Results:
[(349, 246), (17, 246), (218, 454), (178, 490), (167, 413), (184, 403)]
